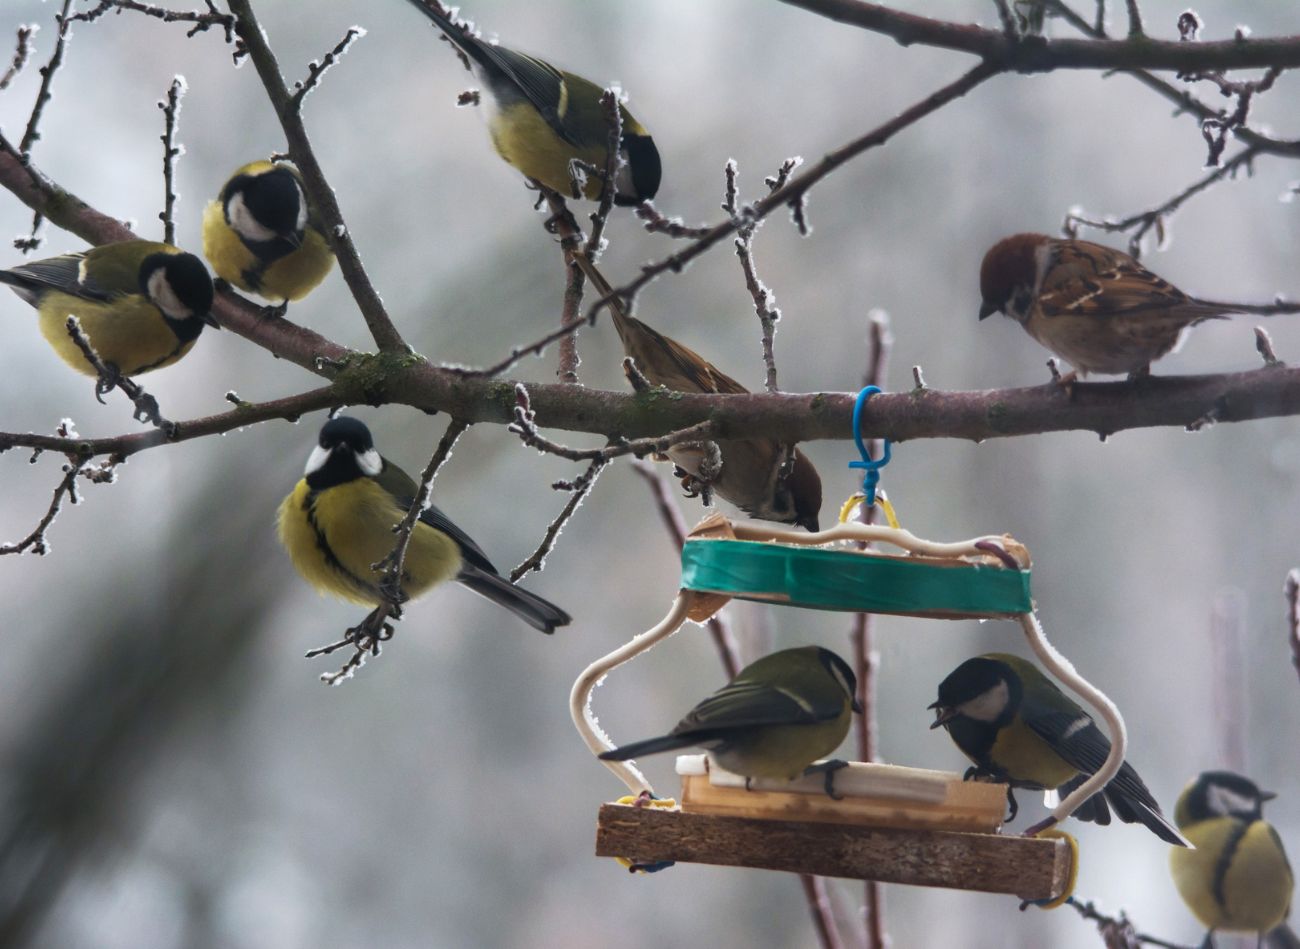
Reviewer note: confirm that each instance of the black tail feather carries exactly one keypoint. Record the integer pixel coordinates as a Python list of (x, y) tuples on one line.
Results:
[(532, 609), (651, 746)]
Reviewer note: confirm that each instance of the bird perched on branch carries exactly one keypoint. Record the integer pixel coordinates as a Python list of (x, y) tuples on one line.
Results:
[(338, 524), (1094, 306), (1018, 727), (542, 119), (263, 236), (764, 477), (141, 304), (1238, 878), (773, 720)]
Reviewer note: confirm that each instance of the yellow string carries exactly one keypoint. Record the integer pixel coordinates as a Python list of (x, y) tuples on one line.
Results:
[(857, 497), (1071, 878), (639, 801)]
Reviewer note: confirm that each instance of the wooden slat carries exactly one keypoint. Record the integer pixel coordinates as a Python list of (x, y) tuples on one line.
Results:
[(1030, 868)]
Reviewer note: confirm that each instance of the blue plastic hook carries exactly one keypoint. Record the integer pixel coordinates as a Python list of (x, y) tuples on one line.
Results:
[(871, 467)]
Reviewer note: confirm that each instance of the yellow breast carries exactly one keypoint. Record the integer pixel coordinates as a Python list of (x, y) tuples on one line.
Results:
[(1250, 891), (523, 138), (1028, 758), (335, 536), (130, 332)]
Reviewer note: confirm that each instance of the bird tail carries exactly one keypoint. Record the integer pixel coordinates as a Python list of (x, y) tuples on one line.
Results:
[(1218, 308), (623, 321), (532, 609), (21, 284), (1281, 936), (1128, 807), (651, 746), (460, 36)]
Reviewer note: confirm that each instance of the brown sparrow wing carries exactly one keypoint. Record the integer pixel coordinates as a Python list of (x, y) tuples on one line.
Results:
[(1087, 279)]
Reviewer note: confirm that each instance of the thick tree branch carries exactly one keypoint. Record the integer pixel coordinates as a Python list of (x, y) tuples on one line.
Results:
[(1036, 54), (386, 336)]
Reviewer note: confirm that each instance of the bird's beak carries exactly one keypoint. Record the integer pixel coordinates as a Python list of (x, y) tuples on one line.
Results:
[(942, 715), (856, 705), (1267, 795), (988, 309), (210, 320)]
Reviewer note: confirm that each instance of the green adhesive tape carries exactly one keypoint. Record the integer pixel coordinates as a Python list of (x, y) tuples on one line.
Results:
[(828, 579)]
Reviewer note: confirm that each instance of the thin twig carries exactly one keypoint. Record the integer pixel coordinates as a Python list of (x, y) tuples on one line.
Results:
[(316, 68), (798, 187), (202, 21), (723, 639), (1118, 932), (609, 183), (35, 541), (21, 52), (1157, 217), (657, 223), (32, 133), (146, 406), (1008, 21), (1292, 590), (525, 427), (1135, 30), (578, 489), (1264, 346), (171, 109), (819, 904)]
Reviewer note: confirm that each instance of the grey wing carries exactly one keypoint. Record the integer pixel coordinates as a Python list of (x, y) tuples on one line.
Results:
[(745, 704)]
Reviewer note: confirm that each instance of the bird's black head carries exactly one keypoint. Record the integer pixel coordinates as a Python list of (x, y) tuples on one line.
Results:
[(1221, 794), (266, 207), (842, 673), (181, 287), (644, 168), (344, 452), (983, 689)]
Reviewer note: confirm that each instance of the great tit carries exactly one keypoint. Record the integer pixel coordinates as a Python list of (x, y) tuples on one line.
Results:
[(261, 235), (338, 522), (1018, 727), (758, 475), (541, 118), (1238, 878), (141, 304), (773, 720)]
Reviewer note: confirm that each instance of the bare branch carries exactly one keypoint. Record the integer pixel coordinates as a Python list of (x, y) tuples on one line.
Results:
[(819, 904), (795, 190), (578, 490), (316, 69), (32, 133), (146, 406), (657, 223), (171, 109), (1003, 53), (21, 51), (1118, 932), (609, 181), (1135, 30), (253, 40), (1157, 217), (202, 21), (1264, 345), (35, 541)]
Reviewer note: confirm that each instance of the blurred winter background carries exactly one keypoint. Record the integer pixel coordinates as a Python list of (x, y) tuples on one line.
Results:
[(174, 774)]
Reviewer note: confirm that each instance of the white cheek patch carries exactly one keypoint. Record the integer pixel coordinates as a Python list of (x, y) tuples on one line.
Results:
[(370, 462), (243, 223), (1225, 801), (164, 297), (300, 223), (839, 677), (316, 460), (987, 706)]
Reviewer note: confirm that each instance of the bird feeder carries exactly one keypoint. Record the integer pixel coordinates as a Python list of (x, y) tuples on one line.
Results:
[(894, 824), (891, 824)]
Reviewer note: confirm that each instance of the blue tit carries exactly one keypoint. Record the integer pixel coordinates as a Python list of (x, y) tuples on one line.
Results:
[(1019, 727), (541, 118), (338, 522), (141, 304)]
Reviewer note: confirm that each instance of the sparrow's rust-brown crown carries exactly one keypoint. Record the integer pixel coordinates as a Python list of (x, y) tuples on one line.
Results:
[(1008, 264)]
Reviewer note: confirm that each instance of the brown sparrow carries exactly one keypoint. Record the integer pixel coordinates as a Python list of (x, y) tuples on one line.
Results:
[(764, 477), (1094, 306)]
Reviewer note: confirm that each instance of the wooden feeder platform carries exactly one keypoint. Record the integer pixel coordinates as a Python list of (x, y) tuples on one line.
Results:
[(924, 828)]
